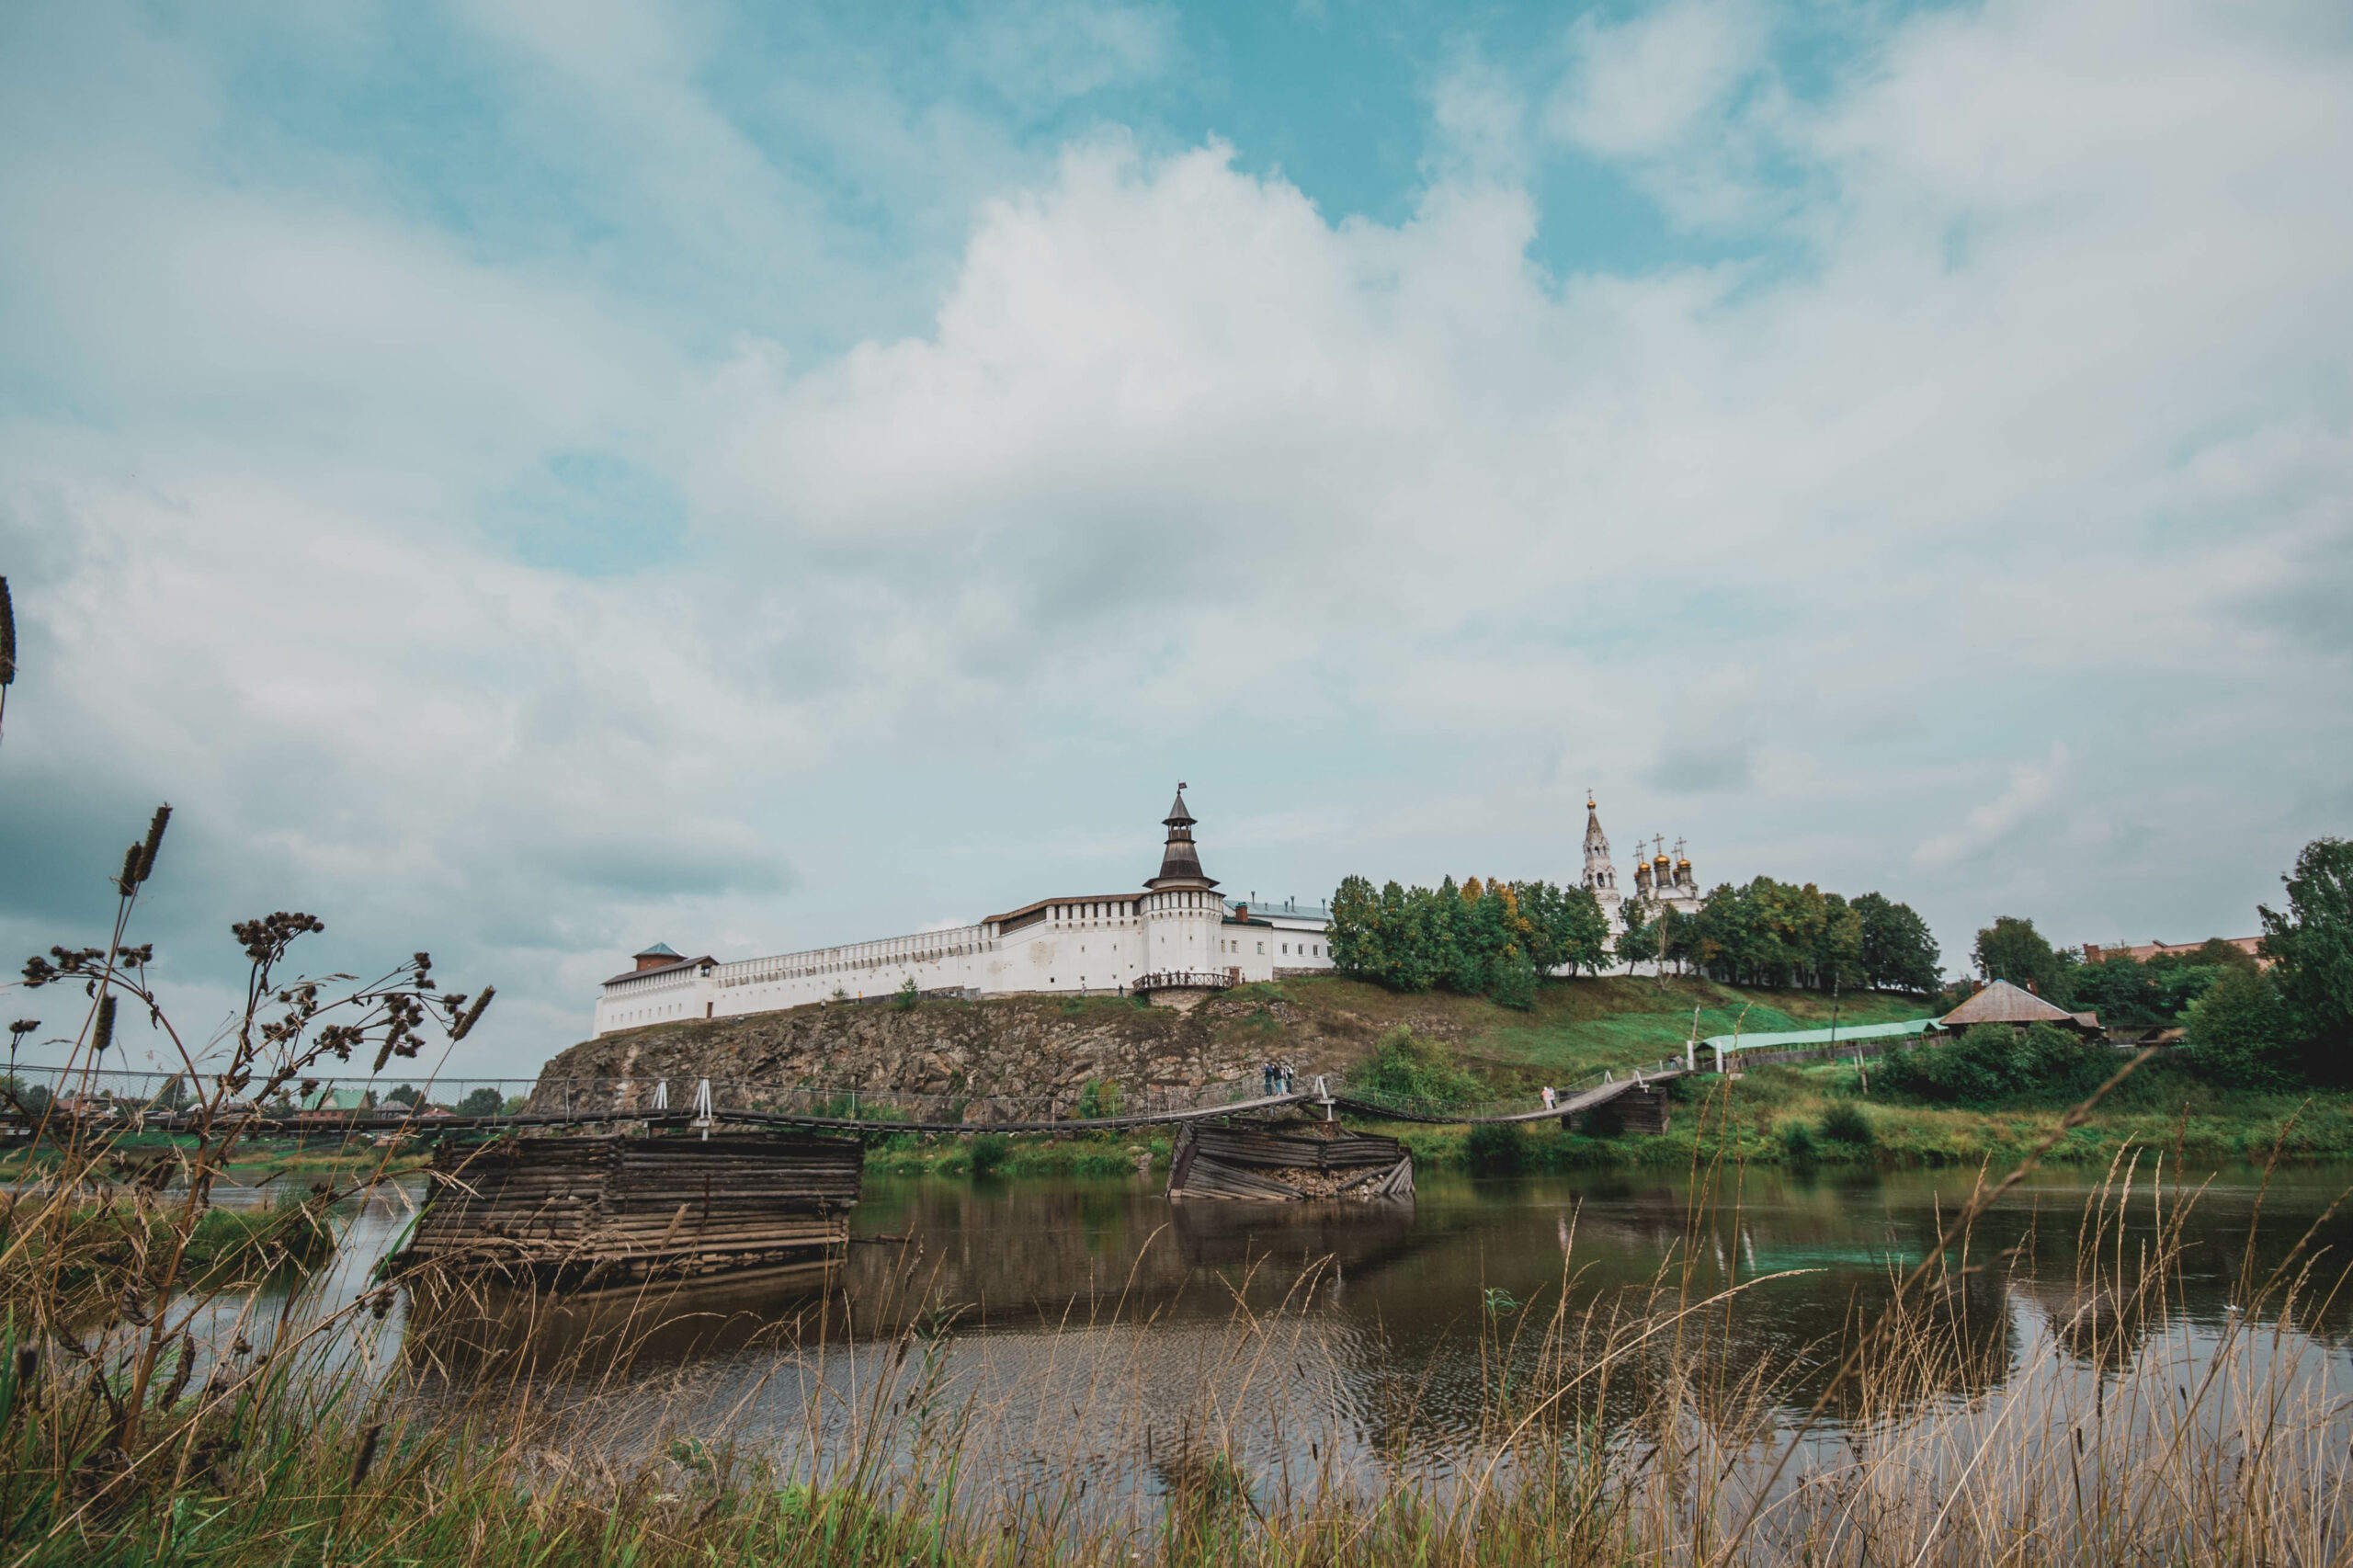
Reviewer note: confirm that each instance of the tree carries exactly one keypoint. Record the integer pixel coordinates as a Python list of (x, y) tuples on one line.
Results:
[(1569, 930), (1356, 946), (1898, 954), (2012, 949), (1838, 945), (1511, 981), (2312, 946), (485, 1101), (406, 1095), (1638, 943), (1677, 938), (2240, 1032)]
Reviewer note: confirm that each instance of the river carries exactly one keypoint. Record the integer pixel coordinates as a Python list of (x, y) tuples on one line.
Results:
[(1090, 1329)]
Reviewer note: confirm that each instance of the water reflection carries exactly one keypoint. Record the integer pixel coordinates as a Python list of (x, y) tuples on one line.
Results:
[(1108, 1333)]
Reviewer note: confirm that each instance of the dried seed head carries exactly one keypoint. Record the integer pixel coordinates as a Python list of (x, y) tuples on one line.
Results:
[(130, 878), (102, 1034), (366, 1459), (474, 1014), (7, 636), (154, 842)]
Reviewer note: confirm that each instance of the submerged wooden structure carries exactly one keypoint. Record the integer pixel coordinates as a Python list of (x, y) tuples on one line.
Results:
[(613, 1209), (1289, 1162)]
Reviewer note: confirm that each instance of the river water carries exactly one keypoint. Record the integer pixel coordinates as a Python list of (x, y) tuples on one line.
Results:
[(1090, 1334)]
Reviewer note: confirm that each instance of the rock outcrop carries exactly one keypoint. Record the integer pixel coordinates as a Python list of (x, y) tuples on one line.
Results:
[(1027, 1049)]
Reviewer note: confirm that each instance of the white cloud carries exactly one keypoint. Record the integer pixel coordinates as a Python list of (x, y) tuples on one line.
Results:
[(2042, 437), (1651, 84), (2032, 787)]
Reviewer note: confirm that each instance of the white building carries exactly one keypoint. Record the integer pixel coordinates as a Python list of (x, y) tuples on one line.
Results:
[(1176, 932), (1658, 881)]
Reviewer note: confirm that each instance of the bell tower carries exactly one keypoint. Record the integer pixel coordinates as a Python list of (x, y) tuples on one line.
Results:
[(1601, 876)]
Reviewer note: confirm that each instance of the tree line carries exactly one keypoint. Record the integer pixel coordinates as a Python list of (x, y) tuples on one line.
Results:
[(1787, 935), (2270, 1019), (1480, 938), (1498, 938)]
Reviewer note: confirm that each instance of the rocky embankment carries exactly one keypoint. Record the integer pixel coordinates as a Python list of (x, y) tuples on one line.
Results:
[(1016, 1048)]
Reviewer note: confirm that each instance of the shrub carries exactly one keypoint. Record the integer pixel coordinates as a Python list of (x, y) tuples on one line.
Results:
[(1996, 1062), (1797, 1143), (2238, 1034), (908, 995), (1097, 1099), (1406, 1068), (989, 1152), (1845, 1122), (1495, 1148)]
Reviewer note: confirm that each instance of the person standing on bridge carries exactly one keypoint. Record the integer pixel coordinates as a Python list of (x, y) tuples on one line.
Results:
[(1551, 1100)]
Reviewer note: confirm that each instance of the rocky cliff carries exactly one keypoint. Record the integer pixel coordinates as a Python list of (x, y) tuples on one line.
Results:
[(1022, 1048)]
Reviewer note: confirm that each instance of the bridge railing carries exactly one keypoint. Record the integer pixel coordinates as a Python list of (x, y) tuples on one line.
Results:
[(129, 1094)]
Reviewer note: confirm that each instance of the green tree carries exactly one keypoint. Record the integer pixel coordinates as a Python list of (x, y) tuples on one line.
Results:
[(1357, 945), (2012, 949), (2312, 947), (1570, 931), (406, 1095), (1839, 946), (2240, 1032), (1638, 943), (485, 1101), (1511, 981), (907, 995), (1898, 952)]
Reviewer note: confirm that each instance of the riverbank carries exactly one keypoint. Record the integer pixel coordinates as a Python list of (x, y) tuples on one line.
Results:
[(1787, 1117)]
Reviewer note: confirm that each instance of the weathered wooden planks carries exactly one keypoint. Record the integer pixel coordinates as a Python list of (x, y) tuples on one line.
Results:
[(607, 1209), (1288, 1164)]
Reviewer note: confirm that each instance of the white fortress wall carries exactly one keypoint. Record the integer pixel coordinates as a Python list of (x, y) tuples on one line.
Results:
[(1094, 942)]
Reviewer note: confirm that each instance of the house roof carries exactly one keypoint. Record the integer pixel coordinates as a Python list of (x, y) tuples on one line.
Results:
[(659, 950), (1032, 908), (659, 969), (2003, 1003)]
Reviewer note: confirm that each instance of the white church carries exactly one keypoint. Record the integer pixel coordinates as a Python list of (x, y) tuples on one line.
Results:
[(1175, 939)]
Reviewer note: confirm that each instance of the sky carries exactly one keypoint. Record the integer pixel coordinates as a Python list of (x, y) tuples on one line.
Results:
[(531, 479)]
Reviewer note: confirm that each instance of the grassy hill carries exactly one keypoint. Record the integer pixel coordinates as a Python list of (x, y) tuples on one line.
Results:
[(1576, 1028)]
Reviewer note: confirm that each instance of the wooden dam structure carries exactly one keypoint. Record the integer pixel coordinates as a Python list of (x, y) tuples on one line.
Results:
[(1289, 1163), (613, 1209)]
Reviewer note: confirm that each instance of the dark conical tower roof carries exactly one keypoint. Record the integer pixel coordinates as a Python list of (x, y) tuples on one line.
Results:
[(1180, 862)]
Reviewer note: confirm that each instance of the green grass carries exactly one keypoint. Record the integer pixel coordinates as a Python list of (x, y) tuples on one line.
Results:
[(1579, 1027), (2162, 1110), (1589, 1024)]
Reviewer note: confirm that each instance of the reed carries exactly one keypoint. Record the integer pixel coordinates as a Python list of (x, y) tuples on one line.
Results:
[(152, 1412)]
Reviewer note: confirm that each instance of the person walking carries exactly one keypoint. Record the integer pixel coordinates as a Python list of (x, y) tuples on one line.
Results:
[(1551, 1100)]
